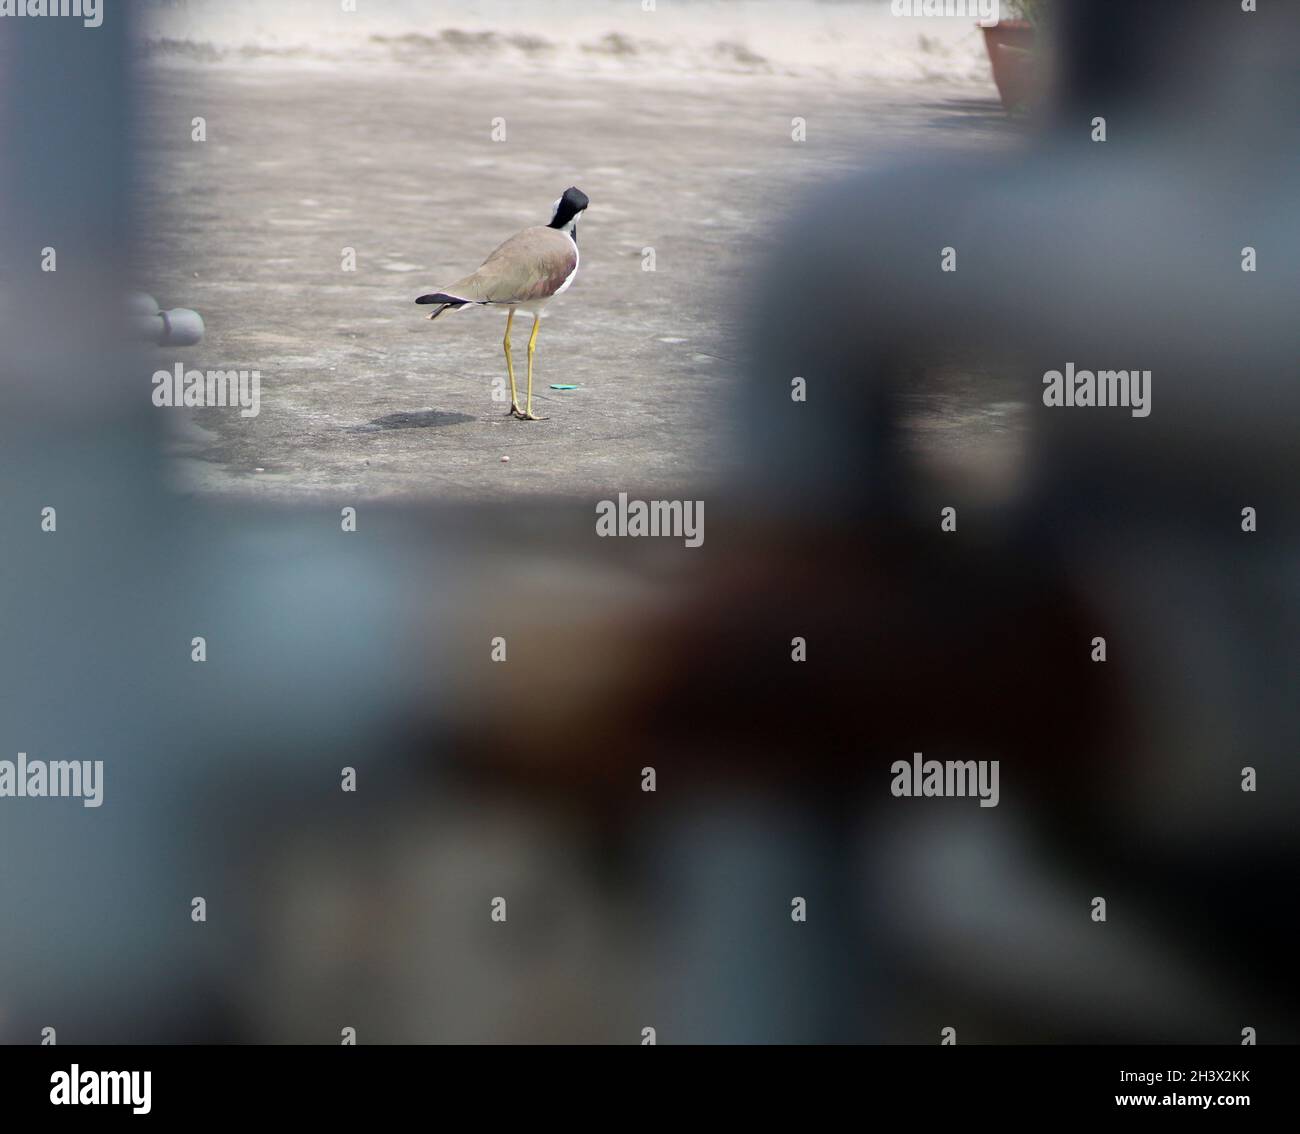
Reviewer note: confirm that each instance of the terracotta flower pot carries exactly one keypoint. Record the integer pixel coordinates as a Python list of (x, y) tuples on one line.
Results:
[(1010, 44)]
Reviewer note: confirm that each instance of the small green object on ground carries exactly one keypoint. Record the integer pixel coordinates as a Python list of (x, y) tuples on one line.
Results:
[(562, 387)]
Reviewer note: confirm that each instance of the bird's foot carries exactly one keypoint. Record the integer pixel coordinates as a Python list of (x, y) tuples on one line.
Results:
[(514, 411), (532, 417)]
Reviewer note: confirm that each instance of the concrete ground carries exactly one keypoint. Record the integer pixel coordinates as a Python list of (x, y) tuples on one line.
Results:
[(360, 393)]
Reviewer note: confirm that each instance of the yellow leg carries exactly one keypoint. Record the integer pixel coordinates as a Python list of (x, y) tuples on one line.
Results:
[(532, 345), (510, 365)]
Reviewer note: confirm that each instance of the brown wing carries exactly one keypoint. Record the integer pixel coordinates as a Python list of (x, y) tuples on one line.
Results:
[(530, 265)]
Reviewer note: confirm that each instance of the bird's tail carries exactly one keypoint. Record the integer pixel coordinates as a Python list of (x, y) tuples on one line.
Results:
[(445, 301)]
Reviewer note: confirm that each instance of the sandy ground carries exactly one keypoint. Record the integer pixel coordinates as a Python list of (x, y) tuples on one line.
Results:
[(360, 393)]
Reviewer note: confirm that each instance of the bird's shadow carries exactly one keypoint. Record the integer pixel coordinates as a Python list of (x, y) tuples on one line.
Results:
[(423, 419)]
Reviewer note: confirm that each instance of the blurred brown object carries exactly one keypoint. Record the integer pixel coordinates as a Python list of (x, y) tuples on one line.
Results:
[(1012, 45), (971, 651)]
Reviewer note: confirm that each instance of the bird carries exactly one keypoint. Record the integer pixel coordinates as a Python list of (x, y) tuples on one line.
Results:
[(527, 271)]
